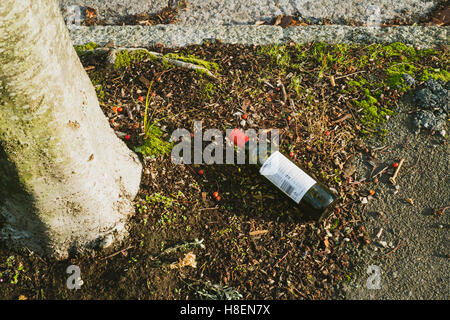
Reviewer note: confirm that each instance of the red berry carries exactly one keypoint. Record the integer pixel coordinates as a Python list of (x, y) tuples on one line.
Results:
[(141, 98), (291, 154), (119, 109), (395, 164), (218, 198), (244, 117), (327, 133), (215, 194), (201, 172), (127, 137)]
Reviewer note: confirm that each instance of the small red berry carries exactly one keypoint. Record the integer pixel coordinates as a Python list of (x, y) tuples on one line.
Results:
[(244, 117), (201, 172), (395, 164), (215, 194), (327, 133), (141, 98), (291, 154), (119, 109), (127, 137), (218, 198)]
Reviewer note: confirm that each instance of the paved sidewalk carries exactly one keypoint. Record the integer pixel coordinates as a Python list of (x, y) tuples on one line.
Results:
[(249, 11)]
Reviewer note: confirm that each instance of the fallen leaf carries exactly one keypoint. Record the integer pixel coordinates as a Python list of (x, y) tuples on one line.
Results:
[(326, 242), (187, 261), (258, 232), (278, 20), (333, 83), (287, 21), (90, 13)]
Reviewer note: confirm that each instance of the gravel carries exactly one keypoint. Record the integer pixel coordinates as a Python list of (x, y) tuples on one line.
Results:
[(434, 99), (249, 11)]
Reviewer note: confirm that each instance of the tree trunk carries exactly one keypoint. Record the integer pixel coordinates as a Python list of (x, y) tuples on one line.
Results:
[(66, 181)]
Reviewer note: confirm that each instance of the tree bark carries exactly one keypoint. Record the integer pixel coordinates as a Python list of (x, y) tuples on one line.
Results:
[(66, 181)]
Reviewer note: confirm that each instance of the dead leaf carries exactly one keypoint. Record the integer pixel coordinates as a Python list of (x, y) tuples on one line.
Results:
[(145, 81), (90, 13), (187, 261), (278, 20), (258, 232), (287, 21), (333, 83), (349, 168), (326, 243)]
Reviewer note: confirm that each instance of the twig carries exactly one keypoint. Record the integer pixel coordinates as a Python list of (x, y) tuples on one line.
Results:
[(348, 75), (212, 208), (276, 264), (381, 172), (116, 253), (395, 249), (187, 65), (283, 91), (300, 293), (347, 116), (392, 179)]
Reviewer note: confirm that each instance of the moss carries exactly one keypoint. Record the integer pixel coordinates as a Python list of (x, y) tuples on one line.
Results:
[(373, 114), (395, 73), (208, 89), (81, 50), (278, 55), (154, 145), (435, 74), (124, 58), (98, 83), (211, 66), (400, 49)]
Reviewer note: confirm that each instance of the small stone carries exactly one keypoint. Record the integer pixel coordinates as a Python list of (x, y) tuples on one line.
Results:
[(409, 80)]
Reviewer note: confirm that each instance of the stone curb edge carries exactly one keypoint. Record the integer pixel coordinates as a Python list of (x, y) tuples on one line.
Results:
[(182, 35)]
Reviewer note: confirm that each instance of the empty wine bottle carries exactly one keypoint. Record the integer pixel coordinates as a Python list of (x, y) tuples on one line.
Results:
[(312, 198)]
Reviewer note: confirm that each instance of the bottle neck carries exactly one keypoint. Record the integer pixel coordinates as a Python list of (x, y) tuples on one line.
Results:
[(255, 154)]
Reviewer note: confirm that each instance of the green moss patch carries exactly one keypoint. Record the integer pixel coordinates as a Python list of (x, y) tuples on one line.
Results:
[(154, 144)]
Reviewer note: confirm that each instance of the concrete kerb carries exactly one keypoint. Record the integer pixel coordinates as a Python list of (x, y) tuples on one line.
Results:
[(183, 35)]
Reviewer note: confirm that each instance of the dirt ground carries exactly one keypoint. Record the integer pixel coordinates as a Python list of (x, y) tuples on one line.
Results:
[(252, 243)]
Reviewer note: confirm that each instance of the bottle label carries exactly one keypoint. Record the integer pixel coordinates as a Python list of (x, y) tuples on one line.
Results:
[(289, 178)]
